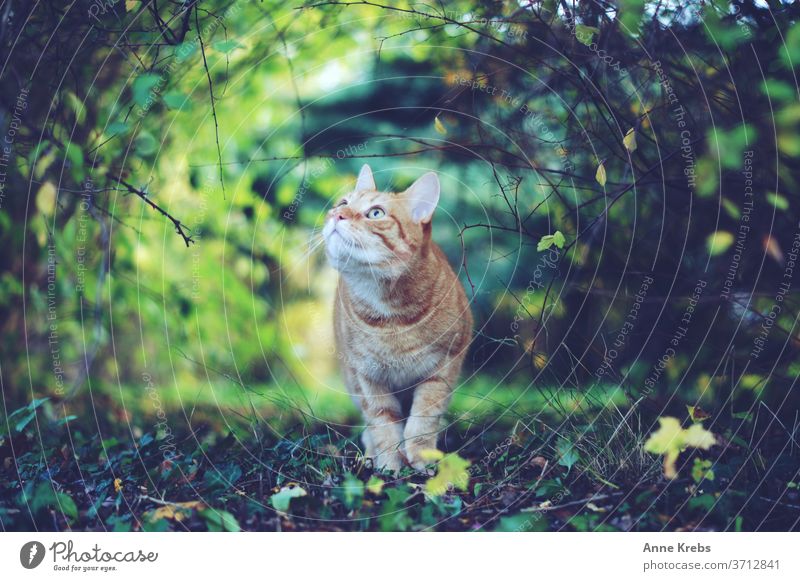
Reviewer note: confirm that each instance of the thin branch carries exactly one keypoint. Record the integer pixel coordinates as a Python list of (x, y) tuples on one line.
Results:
[(180, 228), (213, 99)]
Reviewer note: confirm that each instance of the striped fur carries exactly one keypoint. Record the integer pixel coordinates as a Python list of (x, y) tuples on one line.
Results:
[(402, 320)]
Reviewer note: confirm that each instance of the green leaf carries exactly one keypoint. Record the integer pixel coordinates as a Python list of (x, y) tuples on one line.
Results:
[(27, 413), (701, 470), (46, 497), (75, 156), (630, 15), (778, 201), (439, 126), (718, 242), (731, 208), (177, 101), (24, 422), (549, 240), (629, 141), (220, 520), (142, 87), (77, 107), (227, 46), (600, 175), (585, 34), (351, 492), (704, 502), (117, 128), (567, 455), (280, 500), (522, 523), (375, 485)]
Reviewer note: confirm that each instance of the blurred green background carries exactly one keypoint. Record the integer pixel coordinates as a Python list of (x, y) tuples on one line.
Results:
[(234, 326)]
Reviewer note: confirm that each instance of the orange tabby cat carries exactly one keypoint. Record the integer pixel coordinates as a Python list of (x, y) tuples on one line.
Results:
[(401, 318)]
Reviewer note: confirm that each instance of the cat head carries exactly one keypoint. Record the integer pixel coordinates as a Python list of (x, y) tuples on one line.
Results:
[(380, 233)]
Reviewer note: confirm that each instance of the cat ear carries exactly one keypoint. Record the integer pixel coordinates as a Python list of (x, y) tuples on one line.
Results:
[(423, 196), (365, 182)]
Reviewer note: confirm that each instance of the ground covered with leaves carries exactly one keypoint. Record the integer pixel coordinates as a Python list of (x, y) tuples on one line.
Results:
[(528, 477)]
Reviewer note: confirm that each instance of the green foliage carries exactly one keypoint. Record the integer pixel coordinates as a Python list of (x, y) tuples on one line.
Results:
[(282, 499), (231, 325), (548, 240)]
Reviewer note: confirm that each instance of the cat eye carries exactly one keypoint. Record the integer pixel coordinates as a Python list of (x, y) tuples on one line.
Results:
[(375, 213), (342, 203)]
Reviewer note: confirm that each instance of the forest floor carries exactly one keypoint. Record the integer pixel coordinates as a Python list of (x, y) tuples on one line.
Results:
[(519, 477)]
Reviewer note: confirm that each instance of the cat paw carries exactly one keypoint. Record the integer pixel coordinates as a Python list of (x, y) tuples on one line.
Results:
[(419, 463), (392, 462)]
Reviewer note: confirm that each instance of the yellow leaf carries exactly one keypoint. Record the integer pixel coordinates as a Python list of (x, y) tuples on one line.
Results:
[(451, 473), (629, 141), (696, 436), (666, 438), (600, 176), (117, 484), (718, 242), (431, 454), (671, 439), (439, 127), (174, 511), (374, 485), (46, 198)]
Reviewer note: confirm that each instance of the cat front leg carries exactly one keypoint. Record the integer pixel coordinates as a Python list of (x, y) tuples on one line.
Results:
[(383, 435), (431, 399)]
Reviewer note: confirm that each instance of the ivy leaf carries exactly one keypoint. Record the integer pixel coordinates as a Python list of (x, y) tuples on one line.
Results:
[(701, 470), (600, 175), (351, 492), (451, 472), (629, 141), (280, 500), (558, 239), (439, 126), (671, 439), (374, 485)]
